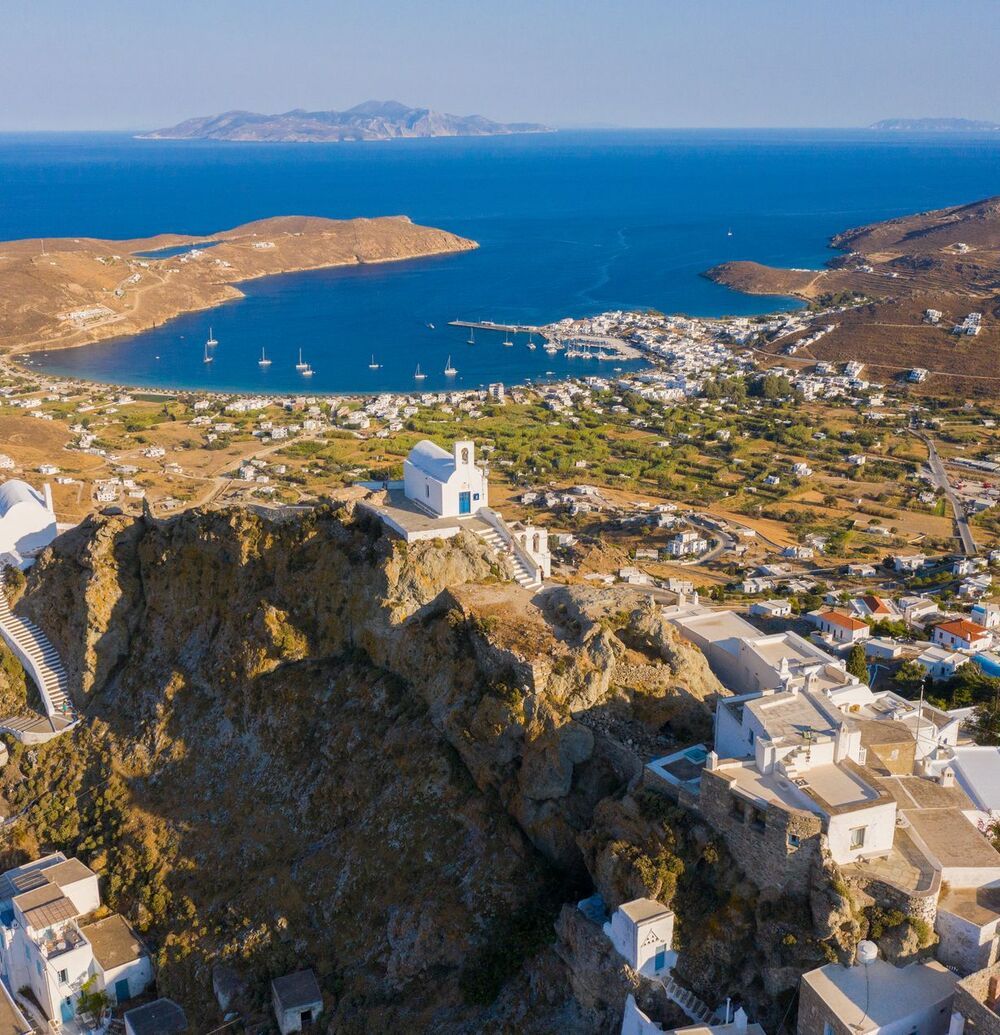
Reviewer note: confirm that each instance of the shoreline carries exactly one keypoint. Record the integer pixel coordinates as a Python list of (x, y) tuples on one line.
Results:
[(92, 290)]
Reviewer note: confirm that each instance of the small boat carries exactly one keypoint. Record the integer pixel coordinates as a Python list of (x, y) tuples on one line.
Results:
[(508, 343), (730, 232), (300, 365), (531, 341), (431, 326), (532, 346), (472, 336), (449, 370), (308, 371), (417, 376), (208, 358), (551, 349), (373, 365), (263, 361), (211, 339)]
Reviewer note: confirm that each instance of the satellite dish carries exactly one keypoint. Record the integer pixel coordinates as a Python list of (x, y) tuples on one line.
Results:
[(867, 952)]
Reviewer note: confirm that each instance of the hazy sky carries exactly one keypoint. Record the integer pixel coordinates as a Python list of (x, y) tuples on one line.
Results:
[(108, 64)]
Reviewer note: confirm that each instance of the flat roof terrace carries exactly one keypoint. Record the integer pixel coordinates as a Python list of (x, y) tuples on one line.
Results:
[(828, 789), (794, 717), (402, 516)]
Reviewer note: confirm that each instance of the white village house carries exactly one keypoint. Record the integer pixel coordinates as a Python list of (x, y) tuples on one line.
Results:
[(446, 484), (27, 522), (46, 948)]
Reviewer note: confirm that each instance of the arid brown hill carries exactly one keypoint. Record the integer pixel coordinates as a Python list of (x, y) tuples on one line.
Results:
[(948, 260)]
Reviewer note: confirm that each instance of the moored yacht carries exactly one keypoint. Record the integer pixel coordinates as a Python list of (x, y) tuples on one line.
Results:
[(300, 365), (263, 361)]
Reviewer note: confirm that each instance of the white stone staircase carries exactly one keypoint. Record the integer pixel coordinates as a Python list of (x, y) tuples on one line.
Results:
[(35, 651), (524, 576), (686, 1000)]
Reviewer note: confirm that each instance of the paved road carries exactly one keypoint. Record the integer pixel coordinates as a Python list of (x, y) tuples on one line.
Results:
[(940, 476)]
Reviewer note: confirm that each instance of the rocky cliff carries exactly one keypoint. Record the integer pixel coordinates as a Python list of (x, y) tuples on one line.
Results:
[(308, 744)]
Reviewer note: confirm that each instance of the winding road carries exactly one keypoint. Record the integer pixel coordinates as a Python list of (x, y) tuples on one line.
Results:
[(940, 476)]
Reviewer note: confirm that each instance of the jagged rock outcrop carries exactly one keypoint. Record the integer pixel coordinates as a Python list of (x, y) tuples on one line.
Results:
[(308, 744)]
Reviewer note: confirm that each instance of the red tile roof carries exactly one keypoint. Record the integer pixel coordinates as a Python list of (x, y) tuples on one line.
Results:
[(963, 629), (876, 605), (844, 621)]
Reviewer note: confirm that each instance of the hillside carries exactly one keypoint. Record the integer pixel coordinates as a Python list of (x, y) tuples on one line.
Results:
[(946, 259), (308, 745), (371, 120), (63, 292)]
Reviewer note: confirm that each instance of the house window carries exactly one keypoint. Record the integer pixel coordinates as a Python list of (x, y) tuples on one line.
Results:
[(794, 841), (63, 977), (750, 737), (757, 819), (857, 837), (427, 490), (827, 1028), (465, 456)]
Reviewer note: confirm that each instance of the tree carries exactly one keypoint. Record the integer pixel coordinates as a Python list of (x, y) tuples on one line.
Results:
[(909, 676), (856, 663), (986, 724)]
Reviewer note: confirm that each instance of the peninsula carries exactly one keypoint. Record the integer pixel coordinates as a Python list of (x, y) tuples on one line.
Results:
[(59, 293), (372, 120), (918, 291), (935, 125)]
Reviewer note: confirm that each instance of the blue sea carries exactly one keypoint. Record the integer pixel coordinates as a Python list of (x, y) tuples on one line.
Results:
[(569, 224)]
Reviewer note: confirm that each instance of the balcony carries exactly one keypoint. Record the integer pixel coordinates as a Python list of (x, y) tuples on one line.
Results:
[(53, 943)]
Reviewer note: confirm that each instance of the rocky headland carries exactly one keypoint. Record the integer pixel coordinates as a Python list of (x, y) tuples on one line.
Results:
[(307, 744), (64, 292)]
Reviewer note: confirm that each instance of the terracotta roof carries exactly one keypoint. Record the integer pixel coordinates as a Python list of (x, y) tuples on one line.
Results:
[(963, 629), (876, 605), (844, 621)]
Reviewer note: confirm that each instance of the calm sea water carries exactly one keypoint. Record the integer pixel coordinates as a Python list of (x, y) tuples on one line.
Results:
[(569, 224)]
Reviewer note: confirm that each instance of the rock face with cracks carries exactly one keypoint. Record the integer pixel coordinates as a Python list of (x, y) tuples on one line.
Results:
[(307, 744)]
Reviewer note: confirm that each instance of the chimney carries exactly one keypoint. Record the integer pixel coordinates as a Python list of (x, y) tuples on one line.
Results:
[(957, 1024), (947, 777)]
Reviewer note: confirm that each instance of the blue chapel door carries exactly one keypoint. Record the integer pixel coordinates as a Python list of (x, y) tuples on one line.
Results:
[(121, 991), (465, 503)]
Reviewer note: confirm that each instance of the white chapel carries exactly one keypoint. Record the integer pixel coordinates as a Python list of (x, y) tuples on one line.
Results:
[(445, 484)]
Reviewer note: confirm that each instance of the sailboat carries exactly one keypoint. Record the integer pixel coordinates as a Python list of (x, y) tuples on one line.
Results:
[(208, 358), (531, 343), (300, 365), (373, 365), (417, 376), (263, 361), (507, 342), (211, 339), (449, 370), (472, 336), (308, 371)]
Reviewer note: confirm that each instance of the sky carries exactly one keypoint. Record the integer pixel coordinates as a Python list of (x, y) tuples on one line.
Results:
[(140, 64)]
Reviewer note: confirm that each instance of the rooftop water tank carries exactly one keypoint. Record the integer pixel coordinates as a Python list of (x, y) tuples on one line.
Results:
[(867, 952)]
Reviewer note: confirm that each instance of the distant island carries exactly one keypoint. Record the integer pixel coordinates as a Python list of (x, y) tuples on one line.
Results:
[(372, 120), (936, 125)]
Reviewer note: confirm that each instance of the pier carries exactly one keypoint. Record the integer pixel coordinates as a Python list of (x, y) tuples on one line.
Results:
[(488, 325)]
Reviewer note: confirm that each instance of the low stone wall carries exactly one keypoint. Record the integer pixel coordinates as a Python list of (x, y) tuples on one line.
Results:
[(776, 847), (970, 1001)]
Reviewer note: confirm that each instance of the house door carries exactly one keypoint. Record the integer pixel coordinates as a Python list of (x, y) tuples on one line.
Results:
[(122, 994), (660, 960), (465, 503), (66, 1010)]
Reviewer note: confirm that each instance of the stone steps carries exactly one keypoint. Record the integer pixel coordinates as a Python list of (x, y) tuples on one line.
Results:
[(523, 576), (47, 669)]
